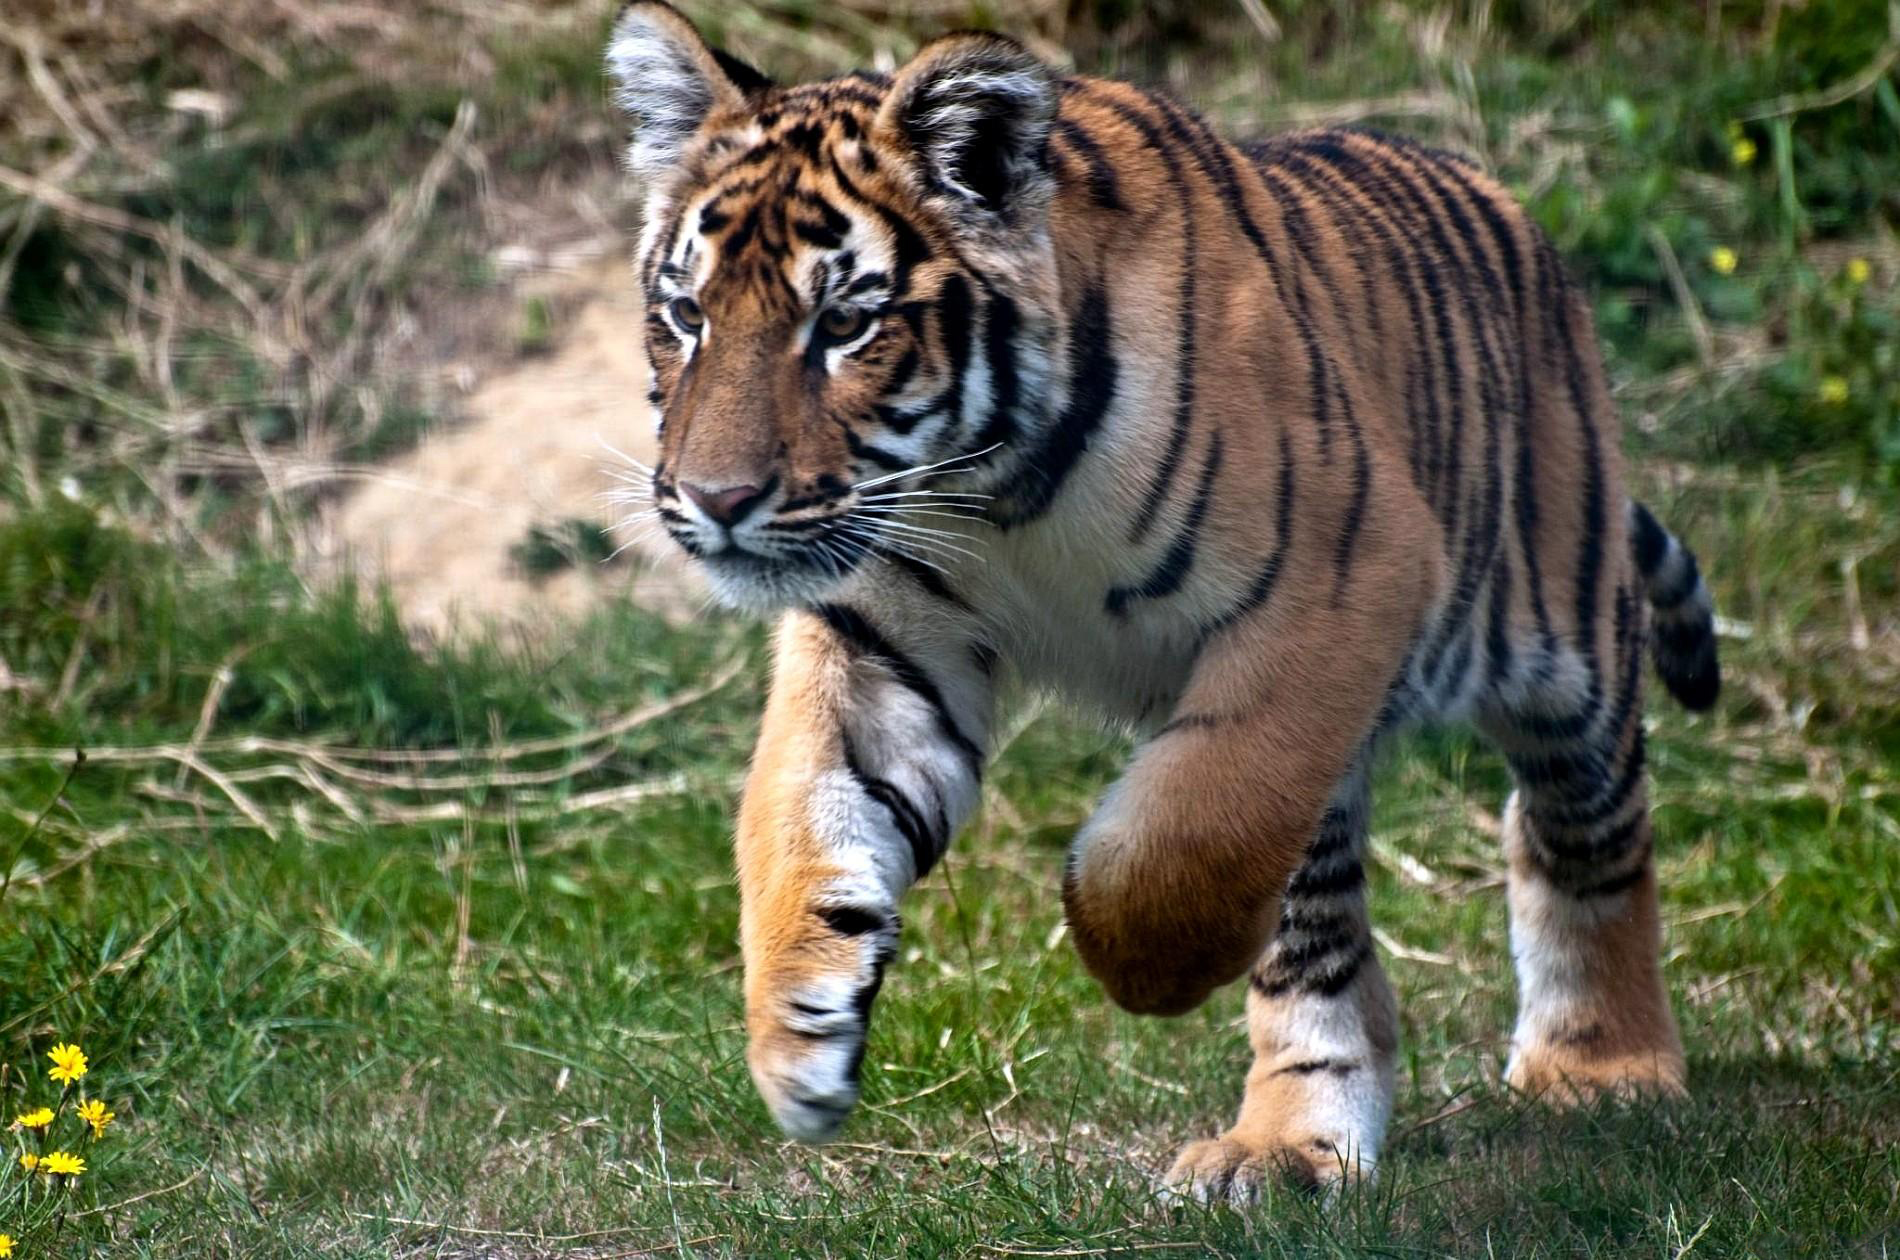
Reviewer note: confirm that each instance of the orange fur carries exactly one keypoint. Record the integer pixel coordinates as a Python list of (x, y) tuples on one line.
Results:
[(1264, 451)]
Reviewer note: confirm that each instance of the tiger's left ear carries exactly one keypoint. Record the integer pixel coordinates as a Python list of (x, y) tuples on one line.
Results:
[(669, 81), (977, 109)]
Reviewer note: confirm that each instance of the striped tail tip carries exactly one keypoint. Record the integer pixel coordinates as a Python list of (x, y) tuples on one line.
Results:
[(1682, 614)]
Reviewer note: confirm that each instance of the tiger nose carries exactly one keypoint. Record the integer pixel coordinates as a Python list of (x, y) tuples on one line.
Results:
[(724, 506)]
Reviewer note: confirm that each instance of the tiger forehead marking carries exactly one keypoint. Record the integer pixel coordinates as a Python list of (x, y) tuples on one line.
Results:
[(769, 213), (982, 375)]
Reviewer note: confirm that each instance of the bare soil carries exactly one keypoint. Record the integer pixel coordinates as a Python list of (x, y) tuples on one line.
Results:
[(528, 446)]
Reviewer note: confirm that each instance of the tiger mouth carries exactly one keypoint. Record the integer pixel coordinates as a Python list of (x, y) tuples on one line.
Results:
[(746, 579)]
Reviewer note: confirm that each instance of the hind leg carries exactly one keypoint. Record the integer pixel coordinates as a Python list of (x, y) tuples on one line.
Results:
[(1593, 1013), (1324, 1031)]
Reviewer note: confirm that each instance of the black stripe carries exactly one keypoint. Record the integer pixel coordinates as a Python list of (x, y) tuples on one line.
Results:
[(1342, 198), (902, 371), (955, 309), (1480, 534), (1104, 187), (1093, 374), (1299, 228), (1344, 877), (1261, 588), (1210, 154), (1590, 552), (1359, 172), (1190, 722), (925, 847), (911, 248), (869, 451), (1597, 846), (953, 312), (1185, 365), (864, 638), (1000, 327), (1307, 1067), (1613, 885), (852, 920), (1498, 638), (926, 576), (817, 234), (1334, 982), (1486, 329), (1327, 983), (1649, 540), (1178, 560), (1685, 588)]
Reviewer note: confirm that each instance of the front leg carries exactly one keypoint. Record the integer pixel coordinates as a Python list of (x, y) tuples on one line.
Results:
[(868, 761), (1174, 885)]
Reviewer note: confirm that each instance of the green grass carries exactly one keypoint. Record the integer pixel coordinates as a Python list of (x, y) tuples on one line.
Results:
[(479, 1009), (330, 1035)]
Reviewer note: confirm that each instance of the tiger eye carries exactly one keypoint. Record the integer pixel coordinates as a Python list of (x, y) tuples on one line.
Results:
[(687, 314), (841, 323)]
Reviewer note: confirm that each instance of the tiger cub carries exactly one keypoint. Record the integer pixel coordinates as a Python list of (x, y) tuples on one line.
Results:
[(979, 374)]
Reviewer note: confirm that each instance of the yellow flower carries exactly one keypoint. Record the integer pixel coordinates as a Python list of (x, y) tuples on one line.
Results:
[(1833, 390), (1742, 152), (6, 1246), (94, 1113), (61, 1164), (1858, 271), (39, 1119), (29, 1162), (1723, 260), (69, 1063)]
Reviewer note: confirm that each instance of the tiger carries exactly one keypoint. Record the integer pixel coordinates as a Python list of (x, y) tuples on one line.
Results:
[(985, 381)]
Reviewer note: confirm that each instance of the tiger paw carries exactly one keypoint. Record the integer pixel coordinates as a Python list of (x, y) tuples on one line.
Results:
[(1157, 947), (1559, 1077), (1235, 1171)]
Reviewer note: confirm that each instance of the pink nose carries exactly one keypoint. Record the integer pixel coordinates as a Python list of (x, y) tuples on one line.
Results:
[(725, 506)]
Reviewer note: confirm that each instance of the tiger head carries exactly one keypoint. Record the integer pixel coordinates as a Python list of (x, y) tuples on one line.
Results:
[(846, 284)]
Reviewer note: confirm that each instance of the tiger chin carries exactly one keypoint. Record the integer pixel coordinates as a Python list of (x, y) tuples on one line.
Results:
[(983, 378)]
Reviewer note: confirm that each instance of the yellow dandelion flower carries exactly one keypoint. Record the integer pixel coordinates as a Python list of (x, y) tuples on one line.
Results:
[(62, 1164), (1858, 271), (69, 1063), (1742, 152), (93, 1112), (1723, 260), (6, 1246), (40, 1119), (29, 1162), (1833, 390)]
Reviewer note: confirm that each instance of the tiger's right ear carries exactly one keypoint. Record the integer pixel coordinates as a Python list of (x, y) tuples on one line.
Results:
[(668, 80)]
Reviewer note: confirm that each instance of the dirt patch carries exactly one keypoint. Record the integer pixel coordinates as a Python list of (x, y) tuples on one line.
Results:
[(438, 524)]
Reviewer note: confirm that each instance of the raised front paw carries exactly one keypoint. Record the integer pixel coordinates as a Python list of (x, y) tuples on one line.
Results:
[(805, 1065), (1161, 934), (1233, 1170), (808, 1010)]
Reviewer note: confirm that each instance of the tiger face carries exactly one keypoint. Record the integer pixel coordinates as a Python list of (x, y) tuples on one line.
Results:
[(824, 314)]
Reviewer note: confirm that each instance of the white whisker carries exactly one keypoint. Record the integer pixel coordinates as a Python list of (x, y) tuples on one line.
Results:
[(622, 456), (929, 539), (907, 513), (924, 468), (896, 547)]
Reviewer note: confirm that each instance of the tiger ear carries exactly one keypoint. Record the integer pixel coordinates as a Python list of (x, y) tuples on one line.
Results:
[(668, 80), (977, 109)]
